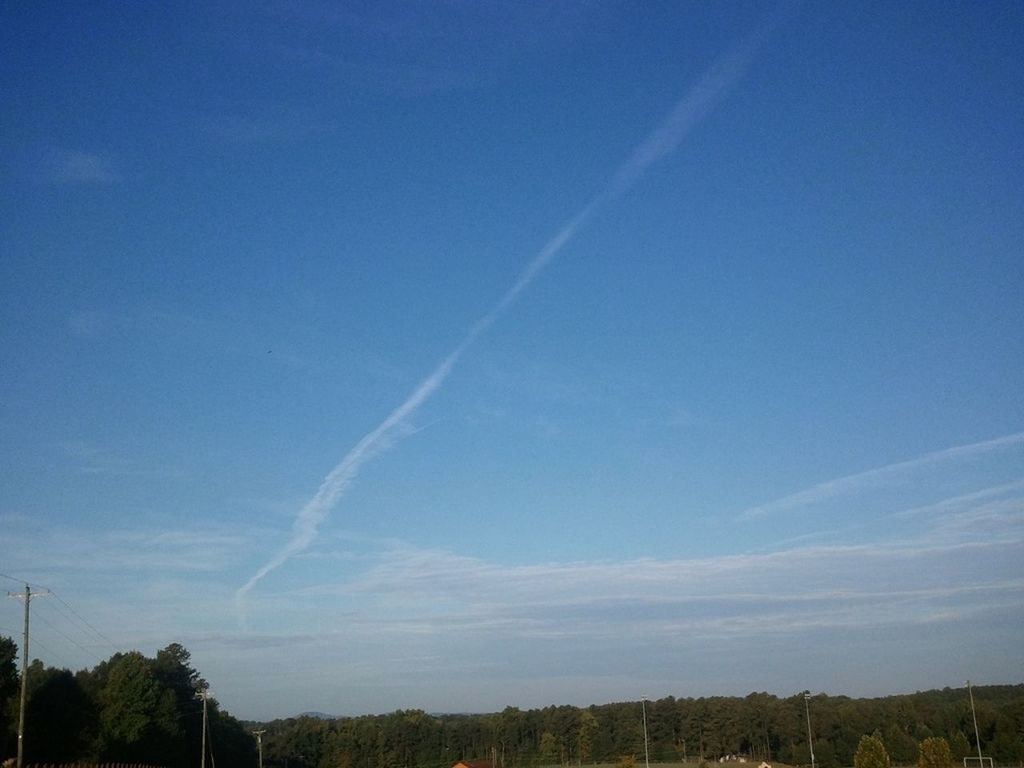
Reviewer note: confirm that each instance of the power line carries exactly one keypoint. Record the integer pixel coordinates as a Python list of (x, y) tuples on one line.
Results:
[(57, 658), (81, 618), (68, 637), (74, 614), (89, 636), (5, 576), (51, 654)]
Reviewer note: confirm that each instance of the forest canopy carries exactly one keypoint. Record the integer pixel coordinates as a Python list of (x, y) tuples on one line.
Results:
[(135, 709), (757, 727), (127, 709)]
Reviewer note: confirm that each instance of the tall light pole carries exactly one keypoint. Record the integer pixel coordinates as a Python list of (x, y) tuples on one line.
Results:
[(974, 716), (259, 744), (643, 707), (807, 709)]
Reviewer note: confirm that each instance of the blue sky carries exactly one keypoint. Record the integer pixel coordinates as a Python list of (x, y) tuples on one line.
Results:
[(455, 355)]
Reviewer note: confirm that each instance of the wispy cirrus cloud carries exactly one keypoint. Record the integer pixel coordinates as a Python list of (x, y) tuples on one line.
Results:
[(881, 476), (264, 124), (414, 50), (93, 458), (130, 552), (88, 324), (448, 617), (954, 503), (75, 167), (962, 562)]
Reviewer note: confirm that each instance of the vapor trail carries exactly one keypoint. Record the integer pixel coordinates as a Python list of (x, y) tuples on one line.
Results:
[(879, 476), (698, 102)]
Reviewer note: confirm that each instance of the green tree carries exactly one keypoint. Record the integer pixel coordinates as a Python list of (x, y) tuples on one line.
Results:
[(960, 746), (935, 753), (871, 753), (1008, 741), (8, 694), (550, 749), (59, 716), (235, 745), (179, 682), (138, 717), (587, 730), (510, 735), (902, 747)]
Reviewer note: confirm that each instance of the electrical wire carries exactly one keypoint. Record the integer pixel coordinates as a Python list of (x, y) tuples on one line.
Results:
[(67, 637), (81, 618), (70, 614)]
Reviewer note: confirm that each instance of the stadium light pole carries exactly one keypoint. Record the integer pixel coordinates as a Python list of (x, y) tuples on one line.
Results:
[(807, 709), (974, 716), (643, 707), (259, 743)]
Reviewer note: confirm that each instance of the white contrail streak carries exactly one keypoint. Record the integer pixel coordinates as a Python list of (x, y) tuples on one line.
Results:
[(872, 478), (698, 102), (702, 98)]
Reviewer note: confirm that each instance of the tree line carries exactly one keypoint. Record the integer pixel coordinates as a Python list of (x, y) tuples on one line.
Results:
[(128, 709), (136, 709), (757, 727)]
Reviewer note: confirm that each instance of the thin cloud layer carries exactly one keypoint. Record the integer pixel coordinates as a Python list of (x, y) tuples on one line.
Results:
[(975, 539), (448, 617)]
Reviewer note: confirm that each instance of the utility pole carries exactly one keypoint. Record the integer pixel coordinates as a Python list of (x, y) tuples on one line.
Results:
[(27, 596), (259, 743), (203, 694)]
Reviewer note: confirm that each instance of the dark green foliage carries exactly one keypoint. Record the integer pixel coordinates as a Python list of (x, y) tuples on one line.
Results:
[(59, 719), (173, 672), (233, 744), (137, 714), (132, 708), (8, 696), (758, 727), (128, 709), (959, 746), (901, 746)]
